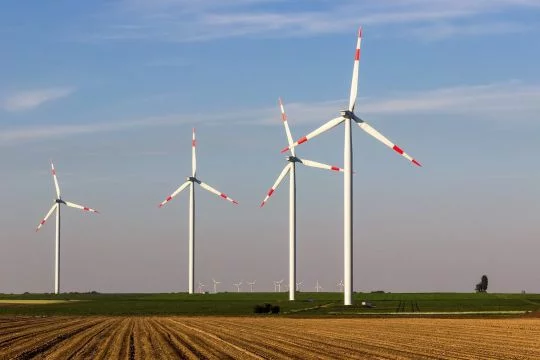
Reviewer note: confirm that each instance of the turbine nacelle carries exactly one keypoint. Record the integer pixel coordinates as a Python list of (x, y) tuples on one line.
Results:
[(292, 159), (193, 179), (60, 201), (347, 114)]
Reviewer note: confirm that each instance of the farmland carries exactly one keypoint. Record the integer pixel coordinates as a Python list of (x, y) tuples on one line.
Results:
[(234, 304), (103, 337)]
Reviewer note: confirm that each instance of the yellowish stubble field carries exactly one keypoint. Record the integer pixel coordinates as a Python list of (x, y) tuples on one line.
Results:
[(267, 338)]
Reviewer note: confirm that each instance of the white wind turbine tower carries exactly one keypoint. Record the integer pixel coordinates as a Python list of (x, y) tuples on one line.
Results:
[(275, 286), (251, 285), (291, 169), (348, 116), (215, 285), (191, 181), (238, 286), (318, 287), (56, 206)]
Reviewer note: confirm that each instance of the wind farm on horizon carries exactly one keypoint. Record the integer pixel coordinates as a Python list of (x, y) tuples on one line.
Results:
[(347, 117)]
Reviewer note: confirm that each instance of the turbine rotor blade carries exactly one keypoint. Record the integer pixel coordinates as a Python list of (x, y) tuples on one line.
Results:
[(377, 135), (193, 155), (53, 171), (320, 165), (287, 129), (325, 127), (85, 208), (47, 216), (170, 197), (218, 193), (276, 184), (354, 82)]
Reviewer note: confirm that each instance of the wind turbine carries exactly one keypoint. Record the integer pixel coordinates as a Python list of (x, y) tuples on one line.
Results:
[(340, 285), (278, 283), (201, 287), (251, 285), (191, 181), (291, 169), (215, 285), (347, 116), (298, 285), (275, 286), (318, 287), (56, 206), (238, 286)]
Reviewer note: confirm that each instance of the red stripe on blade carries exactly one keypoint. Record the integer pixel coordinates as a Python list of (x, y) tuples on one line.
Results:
[(397, 149), (223, 196), (87, 209), (169, 198), (357, 55), (283, 116), (416, 163), (270, 192), (302, 140), (334, 168)]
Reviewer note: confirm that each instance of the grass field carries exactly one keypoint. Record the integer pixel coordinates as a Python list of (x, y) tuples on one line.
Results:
[(234, 304), (209, 337)]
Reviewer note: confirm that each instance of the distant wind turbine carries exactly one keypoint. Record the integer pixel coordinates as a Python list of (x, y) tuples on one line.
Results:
[(291, 169), (278, 283), (318, 287), (56, 206), (215, 285), (191, 181), (238, 286), (347, 116), (200, 289), (340, 285), (298, 285), (251, 285)]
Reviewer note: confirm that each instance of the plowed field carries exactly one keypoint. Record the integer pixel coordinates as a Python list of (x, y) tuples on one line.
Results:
[(267, 338)]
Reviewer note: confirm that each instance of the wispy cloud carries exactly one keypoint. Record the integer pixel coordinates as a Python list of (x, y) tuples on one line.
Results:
[(27, 100), (185, 21), (500, 101)]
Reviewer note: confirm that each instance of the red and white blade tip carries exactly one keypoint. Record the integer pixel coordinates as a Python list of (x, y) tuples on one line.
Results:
[(283, 114), (360, 32), (401, 152), (270, 192)]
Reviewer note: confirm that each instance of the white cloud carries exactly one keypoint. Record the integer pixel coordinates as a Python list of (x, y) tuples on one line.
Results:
[(27, 100), (184, 21), (500, 101)]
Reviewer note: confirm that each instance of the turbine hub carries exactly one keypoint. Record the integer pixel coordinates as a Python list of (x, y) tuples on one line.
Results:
[(60, 201), (292, 159), (347, 114)]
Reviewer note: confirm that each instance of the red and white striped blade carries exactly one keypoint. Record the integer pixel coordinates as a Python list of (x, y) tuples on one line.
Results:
[(286, 124), (53, 171), (354, 82), (218, 193), (193, 155), (377, 135), (325, 127), (320, 165), (276, 184), (77, 206), (47, 216), (170, 197)]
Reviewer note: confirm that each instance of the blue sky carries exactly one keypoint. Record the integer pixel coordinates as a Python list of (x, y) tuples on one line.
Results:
[(111, 89)]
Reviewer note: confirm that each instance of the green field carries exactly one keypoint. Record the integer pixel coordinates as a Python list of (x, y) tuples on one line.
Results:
[(307, 304)]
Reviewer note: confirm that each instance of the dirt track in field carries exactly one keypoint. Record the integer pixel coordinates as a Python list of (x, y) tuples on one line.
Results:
[(267, 338)]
